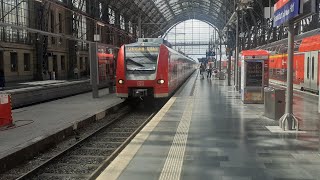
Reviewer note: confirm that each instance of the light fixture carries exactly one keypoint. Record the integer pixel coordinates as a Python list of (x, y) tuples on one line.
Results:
[(100, 23)]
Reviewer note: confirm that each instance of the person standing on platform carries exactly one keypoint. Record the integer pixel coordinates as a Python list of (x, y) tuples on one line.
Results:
[(2, 80), (76, 73), (202, 70), (209, 71)]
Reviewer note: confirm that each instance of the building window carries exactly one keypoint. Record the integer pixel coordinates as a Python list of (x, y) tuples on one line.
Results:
[(63, 63), (79, 4), (112, 15), (14, 12), (60, 27), (26, 58), (14, 61), (80, 24), (100, 10), (81, 63), (60, 22), (52, 26), (130, 27), (122, 22), (87, 65)]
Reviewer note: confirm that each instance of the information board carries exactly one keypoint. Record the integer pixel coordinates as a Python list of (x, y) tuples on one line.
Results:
[(285, 11), (254, 75)]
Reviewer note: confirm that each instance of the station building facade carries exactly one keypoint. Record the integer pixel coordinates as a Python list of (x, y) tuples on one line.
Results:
[(51, 36)]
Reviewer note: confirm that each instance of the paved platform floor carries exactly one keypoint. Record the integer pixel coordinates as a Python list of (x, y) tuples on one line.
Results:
[(41, 120), (46, 83), (206, 132)]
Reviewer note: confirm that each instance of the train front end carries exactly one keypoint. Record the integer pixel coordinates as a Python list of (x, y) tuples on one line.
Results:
[(142, 71)]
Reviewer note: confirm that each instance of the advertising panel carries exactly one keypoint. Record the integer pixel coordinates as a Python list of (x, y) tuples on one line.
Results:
[(254, 74)]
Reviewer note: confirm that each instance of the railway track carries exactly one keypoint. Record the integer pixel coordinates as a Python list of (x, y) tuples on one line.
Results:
[(86, 158)]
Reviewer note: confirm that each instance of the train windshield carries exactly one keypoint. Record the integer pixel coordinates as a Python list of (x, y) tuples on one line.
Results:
[(141, 59)]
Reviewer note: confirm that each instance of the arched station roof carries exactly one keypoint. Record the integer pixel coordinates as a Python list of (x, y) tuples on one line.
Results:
[(160, 15)]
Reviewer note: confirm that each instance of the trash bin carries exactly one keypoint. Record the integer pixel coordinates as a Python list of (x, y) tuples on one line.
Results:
[(274, 103), (222, 76)]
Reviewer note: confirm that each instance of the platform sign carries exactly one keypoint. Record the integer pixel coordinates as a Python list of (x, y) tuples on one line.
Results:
[(285, 10)]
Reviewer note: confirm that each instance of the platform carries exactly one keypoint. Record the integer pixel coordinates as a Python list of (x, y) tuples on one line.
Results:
[(206, 132), (33, 92), (37, 123)]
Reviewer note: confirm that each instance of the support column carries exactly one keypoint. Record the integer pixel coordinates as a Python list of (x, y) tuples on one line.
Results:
[(220, 39), (288, 121), (290, 75), (240, 49), (236, 71), (229, 67), (93, 50)]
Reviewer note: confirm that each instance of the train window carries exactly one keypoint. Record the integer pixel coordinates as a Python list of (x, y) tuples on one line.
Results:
[(312, 68), (141, 59), (308, 67)]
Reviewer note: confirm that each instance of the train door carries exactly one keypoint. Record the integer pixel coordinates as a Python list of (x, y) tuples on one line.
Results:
[(314, 70), (311, 70), (307, 83)]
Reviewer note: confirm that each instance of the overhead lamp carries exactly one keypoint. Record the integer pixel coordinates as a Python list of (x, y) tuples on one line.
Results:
[(100, 23)]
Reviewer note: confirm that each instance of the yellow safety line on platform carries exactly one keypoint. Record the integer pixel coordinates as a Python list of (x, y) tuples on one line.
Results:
[(114, 170), (174, 162)]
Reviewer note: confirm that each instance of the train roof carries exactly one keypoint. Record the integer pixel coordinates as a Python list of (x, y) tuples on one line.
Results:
[(310, 44), (150, 42), (156, 42), (281, 46)]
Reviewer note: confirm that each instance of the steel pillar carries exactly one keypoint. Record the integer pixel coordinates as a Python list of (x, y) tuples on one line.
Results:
[(240, 49), (288, 121), (93, 50), (220, 55), (229, 68), (236, 74)]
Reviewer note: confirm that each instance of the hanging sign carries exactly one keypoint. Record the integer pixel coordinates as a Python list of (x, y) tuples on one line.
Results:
[(285, 10)]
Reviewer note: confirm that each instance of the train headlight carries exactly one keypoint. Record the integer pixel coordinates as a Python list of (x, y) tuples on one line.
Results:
[(121, 81), (161, 81)]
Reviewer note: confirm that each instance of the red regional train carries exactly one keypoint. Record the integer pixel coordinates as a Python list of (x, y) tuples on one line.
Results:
[(306, 60), (150, 68)]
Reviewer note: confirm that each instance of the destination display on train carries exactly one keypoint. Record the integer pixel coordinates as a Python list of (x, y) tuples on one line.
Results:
[(254, 74), (142, 49)]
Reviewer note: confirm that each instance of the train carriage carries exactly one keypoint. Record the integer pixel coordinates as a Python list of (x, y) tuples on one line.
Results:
[(150, 68), (306, 63)]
